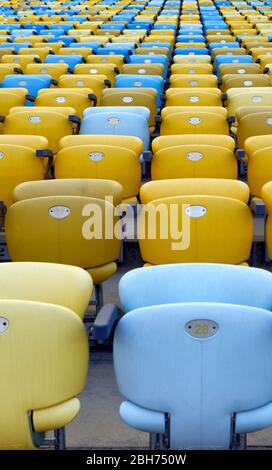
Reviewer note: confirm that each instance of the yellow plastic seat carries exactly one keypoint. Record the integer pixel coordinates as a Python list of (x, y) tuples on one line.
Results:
[(259, 154), (239, 97), (218, 140), (17, 164), (7, 69), (48, 123), (253, 121), (102, 161), (83, 51), (143, 69), (55, 46), (54, 70), (116, 59), (26, 281), (258, 52), (194, 160), (160, 189), (267, 197), (63, 223), (226, 69), (20, 61), (191, 69), (10, 97), (97, 188), (244, 80), (108, 70), (191, 80), (40, 52), (191, 59), (197, 120), (195, 97), (97, 83), (34, 142), (211, 229), (154, 50), (39, 395), (131, 97), (77, 98)]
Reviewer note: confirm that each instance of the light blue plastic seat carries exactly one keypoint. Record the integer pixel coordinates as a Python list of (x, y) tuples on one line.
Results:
[(196, 282), (33, 83), (191, 51), (114, 51), (116, 122), (202, 370), (232, 59), (140, 110), (67, 40), (71, 60)]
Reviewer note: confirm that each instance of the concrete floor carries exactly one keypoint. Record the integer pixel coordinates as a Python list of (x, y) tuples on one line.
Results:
[(98, 425)]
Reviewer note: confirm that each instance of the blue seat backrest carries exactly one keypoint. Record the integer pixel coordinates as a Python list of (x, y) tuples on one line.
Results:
[(196, 282), (117, 123), (199, 381), (140, 110)]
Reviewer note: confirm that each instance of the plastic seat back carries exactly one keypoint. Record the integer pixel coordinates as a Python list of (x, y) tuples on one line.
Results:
[(213, 229), (56, 337), (209, 377), (58, 229), (173, 283)]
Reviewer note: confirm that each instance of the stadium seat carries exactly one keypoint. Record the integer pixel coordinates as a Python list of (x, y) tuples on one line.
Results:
[(244, 80), (195, 97), (54, 70), (212, 280), (10, 97), (197, 120), (97, 188), (118, 120), (77, 98), (164, 409), (127, 97), (192, 80), (215, 229), (57, 339), (59, 221), (159, 189), (109, 70), (267, 197), (103, 161), (97, 83), (51, 123), (259, 153), (253, 121)]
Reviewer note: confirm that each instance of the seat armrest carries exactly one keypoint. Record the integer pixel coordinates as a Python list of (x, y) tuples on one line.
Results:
[(105, 322), (56, 416), (254, 420), (142, 418)]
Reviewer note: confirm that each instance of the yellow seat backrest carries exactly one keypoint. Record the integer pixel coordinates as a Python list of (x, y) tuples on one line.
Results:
[(44, 359), (54, 70), (193, 80), (103, 162), (78, 99), (218, 140), (52, 125), (126, 141), (17, 164), (214, 229), (193, 97), (160, 189), (68, 286), (194, 160), (191, 69), (57, 233)]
